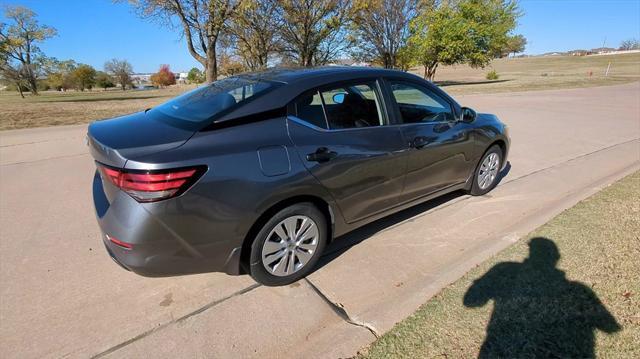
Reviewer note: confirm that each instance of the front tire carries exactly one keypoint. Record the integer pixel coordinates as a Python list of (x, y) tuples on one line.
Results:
[(488, 171), (289, 245)]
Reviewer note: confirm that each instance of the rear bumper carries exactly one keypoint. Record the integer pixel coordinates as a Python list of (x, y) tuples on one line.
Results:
[(159, 249)]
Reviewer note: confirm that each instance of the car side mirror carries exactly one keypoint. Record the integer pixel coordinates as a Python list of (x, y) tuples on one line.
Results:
[(468, 115), (338, 98)]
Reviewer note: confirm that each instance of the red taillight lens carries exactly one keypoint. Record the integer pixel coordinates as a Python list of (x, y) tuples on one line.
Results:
[(151, 186), (119, 243)]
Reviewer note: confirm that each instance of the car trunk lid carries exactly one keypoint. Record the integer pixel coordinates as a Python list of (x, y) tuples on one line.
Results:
[(113, 142)]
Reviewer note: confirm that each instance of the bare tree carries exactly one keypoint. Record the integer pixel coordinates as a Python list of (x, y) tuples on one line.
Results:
[(121, 70), (202, 22), (313, 30), (382, 28), (630, 44), (254, 30), (18, 45)]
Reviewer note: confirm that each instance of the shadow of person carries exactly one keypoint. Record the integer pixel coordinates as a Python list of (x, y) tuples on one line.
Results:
[(537, 311)]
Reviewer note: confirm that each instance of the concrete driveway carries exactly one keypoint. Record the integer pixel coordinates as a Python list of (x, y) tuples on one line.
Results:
[(61, 295)]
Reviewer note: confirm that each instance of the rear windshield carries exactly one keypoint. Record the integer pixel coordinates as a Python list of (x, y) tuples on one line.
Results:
[(203, 103)]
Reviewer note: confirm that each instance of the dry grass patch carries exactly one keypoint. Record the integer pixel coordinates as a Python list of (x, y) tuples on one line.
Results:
[(52, 108), (540, 73), (570, 289)]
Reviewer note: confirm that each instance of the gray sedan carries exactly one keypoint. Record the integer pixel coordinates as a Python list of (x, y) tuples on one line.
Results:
[(258, 173)]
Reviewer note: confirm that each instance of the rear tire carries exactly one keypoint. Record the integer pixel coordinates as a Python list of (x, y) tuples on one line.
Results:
[(289, 245), (487, 172)]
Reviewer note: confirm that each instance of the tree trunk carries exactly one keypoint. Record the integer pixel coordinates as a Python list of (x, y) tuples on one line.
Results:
[(211, 67), (430, 70), (307, 58), (20, 89), (33, 85), (388, 62)]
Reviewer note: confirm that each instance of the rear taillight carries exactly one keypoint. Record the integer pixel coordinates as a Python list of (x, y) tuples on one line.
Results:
[(151, 186), (119, 243)]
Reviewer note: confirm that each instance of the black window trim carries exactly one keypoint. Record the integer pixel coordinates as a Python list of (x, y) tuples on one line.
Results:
[(378, 90)]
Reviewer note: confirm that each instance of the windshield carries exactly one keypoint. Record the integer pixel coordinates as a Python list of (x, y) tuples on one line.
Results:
[(201, 104)]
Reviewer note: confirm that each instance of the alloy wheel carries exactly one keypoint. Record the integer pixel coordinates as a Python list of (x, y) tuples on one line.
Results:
[(488, 171), (290, 245)]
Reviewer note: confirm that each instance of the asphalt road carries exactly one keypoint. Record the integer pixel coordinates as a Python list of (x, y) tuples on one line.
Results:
[(61, 295)]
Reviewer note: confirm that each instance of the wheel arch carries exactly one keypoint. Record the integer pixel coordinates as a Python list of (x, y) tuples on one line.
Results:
[(496, 141), (501, 143), (317, 201)]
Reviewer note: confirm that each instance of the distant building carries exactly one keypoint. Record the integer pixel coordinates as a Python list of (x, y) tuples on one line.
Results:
[(616, 52), (141, 79), (579, 52), (341, 62), (603, 50), (349, 62), (145, 78), (181, 77)]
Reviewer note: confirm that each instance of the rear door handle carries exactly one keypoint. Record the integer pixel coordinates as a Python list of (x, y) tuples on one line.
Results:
[(322, 154), (419, 142)]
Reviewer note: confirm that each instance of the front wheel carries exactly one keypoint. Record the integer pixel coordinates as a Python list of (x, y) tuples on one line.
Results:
[(487, 174), (289, 245)]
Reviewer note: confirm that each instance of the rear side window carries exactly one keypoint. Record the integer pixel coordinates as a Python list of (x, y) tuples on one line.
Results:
[(309, 108), (418, 104), (341, 107), (201, 104)]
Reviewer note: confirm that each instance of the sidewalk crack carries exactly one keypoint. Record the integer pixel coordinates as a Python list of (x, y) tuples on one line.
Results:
[(339, 309), (183, 318)]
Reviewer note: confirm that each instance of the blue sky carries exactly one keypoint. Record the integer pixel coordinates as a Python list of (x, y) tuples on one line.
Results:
[(94, 31)]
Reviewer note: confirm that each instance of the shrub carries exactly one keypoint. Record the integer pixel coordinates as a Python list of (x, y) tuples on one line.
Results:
[(195, 76), (492, 75), (164, 77), (104, 80)]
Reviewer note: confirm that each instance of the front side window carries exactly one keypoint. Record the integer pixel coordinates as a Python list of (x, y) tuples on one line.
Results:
[(201, 104), (341, 107), (417, 104)]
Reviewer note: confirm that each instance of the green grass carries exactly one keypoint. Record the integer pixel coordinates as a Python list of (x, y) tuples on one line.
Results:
[(569, 289)]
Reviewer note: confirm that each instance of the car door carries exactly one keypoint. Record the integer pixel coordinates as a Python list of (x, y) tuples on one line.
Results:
[(440, 146), (342, 136)]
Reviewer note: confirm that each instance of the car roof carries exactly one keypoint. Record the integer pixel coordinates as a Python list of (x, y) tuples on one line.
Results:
[(292, 75)]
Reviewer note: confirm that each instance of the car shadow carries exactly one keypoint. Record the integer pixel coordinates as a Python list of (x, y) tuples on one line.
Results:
[(343, 243), (537, 312)]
